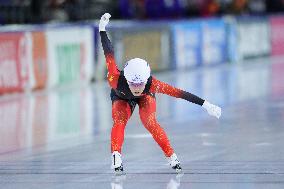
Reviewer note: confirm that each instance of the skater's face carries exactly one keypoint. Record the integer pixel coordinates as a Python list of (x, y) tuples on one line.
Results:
[(136, 88)]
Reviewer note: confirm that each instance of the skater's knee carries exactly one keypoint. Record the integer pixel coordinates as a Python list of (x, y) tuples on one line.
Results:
[(148, 119), (121, 117), (120, 121), (119, 126)]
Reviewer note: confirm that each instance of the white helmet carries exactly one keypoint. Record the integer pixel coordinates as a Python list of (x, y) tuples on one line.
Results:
[(137, 70)]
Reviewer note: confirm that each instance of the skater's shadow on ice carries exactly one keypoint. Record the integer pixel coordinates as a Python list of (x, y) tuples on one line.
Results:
[(117, 182)]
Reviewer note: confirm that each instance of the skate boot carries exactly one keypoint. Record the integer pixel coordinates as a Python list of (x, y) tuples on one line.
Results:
[(117, 163), (175, 163)]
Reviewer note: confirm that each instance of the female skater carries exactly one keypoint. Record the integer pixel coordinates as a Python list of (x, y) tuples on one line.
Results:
[(135, 85)]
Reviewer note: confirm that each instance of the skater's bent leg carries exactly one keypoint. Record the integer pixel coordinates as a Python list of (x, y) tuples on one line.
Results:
[(147, 111), (121, 113)]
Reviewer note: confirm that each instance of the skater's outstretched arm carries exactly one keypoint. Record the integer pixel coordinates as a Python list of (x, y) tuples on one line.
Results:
[(162, 87), (113, 72)]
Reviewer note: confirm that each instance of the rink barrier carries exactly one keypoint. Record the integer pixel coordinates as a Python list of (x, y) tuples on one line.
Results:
[(39, 66), (47, 56), (253, 37), (13, 62), (70, 55), (277, 35), (214, 42), (231, 39), (186, 44)]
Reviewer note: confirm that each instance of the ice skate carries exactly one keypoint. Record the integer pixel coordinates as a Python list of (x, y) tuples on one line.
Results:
[(175, 163), (119, 170), (117, 163)]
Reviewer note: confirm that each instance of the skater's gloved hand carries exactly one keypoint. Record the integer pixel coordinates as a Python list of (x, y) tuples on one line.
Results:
[(104, 21), (212, 109)]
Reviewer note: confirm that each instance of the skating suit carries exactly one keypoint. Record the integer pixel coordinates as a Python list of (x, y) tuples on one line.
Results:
[(124, 102)]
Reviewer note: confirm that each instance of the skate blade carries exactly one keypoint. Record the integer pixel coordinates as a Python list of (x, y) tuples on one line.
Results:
[(179, 171), (119, 173)]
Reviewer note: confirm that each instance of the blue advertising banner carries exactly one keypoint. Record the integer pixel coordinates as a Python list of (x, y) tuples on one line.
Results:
[(232, 40), (214, 46), (187, 44)]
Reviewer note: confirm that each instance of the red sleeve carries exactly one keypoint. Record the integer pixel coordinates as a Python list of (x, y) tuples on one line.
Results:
[(161, 87), (113, 72)]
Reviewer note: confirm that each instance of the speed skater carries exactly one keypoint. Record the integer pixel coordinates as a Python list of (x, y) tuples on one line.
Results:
[(135, 85)]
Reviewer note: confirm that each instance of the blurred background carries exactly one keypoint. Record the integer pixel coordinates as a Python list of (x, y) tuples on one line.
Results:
[(35, 11), (55, 110), (45, 35)]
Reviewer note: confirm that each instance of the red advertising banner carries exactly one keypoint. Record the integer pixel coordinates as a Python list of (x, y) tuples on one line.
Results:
[(277, 35), (13, 62), (40, 68)]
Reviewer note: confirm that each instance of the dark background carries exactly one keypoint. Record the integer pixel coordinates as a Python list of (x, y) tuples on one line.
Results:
[(42, 11)]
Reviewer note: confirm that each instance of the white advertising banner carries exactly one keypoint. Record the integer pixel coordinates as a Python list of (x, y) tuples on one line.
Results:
[(254, 39), (70, 54)]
